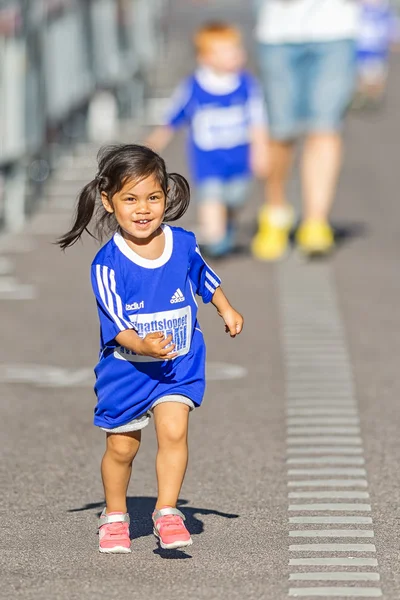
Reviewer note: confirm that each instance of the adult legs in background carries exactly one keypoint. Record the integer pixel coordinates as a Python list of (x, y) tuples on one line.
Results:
[(280, 171), (310, 86), (321, 162), (330, 84), (280, 65)]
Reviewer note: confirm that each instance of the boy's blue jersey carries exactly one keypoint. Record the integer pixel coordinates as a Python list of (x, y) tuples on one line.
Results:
[(378, 29), (149, 296), (219, 123)]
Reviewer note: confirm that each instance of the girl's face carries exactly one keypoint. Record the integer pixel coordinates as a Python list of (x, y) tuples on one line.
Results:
[(139, 209)]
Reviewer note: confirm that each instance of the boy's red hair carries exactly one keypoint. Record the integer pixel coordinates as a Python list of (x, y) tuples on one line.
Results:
[(211, 32)]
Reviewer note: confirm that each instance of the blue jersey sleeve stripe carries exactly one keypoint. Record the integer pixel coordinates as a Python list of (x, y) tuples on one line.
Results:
[(105, 295), (100, 286), (110, 303), (209, 273), (128, 324), (212, 279), (209, 287), (204, 279), (178, 103)]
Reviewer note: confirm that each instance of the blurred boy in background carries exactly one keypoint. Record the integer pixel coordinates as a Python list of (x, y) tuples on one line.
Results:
[(379, 30), (222, 104)]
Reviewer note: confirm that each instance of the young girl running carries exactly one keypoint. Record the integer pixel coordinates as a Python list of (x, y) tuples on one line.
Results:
[(152, 352)]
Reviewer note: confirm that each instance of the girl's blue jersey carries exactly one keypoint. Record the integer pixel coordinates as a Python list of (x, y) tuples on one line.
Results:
[(149, 296), (378, 29), (219, 124)]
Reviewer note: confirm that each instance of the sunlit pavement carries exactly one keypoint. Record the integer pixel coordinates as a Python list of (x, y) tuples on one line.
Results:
[(307, 396)]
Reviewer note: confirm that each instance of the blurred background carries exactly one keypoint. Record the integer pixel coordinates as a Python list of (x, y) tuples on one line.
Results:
[(75, 74), (69, 70)]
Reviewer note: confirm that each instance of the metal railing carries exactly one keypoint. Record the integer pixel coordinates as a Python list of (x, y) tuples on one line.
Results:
[(55, 57)]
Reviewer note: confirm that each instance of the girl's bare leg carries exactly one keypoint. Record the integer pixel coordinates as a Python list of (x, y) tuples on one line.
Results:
[(171, 422), (116, 468)]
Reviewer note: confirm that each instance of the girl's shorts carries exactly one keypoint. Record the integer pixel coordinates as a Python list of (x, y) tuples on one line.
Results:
[(142, 421)]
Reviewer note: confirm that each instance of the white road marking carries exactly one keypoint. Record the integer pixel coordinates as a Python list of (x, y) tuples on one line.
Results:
[(338, 506), (333, 562), (328, 471), (323, 430), (327, 420), (324, 444), (335, 533), (329, 483), (330, 520), (334, 494), (326, 460), (335, 576), (12, 289), (340, 592), (332, 548), (327, 411), (325, 450), (54, 376), (323, 439)]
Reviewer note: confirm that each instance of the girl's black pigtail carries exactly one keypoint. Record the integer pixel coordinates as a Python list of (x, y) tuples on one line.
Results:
[(83, 215), (178, 197)]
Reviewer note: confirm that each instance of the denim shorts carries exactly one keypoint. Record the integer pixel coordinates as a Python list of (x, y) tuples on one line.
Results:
[(308, 86), (231, 193)]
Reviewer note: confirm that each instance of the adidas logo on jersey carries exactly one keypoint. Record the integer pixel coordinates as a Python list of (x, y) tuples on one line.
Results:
[(177, 297), (134, 305)]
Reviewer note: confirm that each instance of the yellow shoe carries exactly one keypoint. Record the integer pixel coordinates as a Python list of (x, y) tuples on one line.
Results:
[(272, 239), (315, 237)]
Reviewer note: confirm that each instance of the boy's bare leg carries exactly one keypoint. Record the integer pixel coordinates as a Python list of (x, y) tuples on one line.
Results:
[(212, 216)]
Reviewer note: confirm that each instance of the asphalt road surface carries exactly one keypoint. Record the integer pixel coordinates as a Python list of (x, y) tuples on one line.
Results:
[(293, 482)]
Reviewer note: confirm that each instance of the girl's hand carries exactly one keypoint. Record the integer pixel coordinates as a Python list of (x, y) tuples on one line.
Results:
[(233, 321), (157, 346)]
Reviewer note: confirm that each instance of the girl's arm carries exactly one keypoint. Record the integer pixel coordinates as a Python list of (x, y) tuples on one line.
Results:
[(115, 321), (207, 284), (232, 319), (154, 344)]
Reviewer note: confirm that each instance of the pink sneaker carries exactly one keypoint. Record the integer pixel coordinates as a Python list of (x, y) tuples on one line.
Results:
[(170, 529), (114, 533)]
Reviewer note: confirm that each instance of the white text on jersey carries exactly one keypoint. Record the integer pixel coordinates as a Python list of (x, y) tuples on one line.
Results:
[(134, 305)]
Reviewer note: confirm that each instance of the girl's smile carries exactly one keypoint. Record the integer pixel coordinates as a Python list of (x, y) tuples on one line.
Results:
[(139, 210)]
